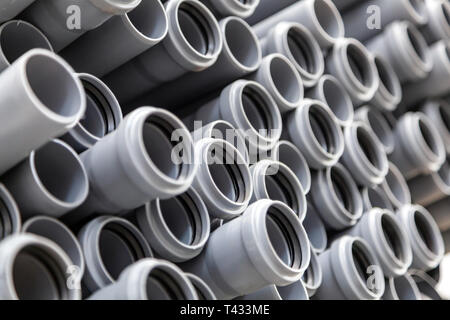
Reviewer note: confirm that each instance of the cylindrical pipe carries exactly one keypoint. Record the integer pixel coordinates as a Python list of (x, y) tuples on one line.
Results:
[(52, 181), (364, 155), (336, 197), (110, 244), (419, 147), (238, 8), (439, 211), (312, 278), (438, 111), (331, 92), (149, 279), (375, 198), (64, 21), (403, 46), (245, 241), (16, 38), (267, 8), (11, 220), (320, 16), (426, 285), (193, 43), (350, 272), (396, 188), (315, 229), (11, 8), (401, 288), (35, 268), (314, 129), (275, 181), (301, 48), (424, 236), (102, 116), (42, 99), (119, 39), (292, 292), (177, 229), (204, 292), (438, 26), (353, 65)]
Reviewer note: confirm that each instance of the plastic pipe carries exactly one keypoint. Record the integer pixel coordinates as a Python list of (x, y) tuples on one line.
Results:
[(16, 38), (193, 43), (314, 129), (11, 8), (390, 243), (267, 8), (345, 5), (292, 292), (35, 268), (439, 211), (346, 267), (110, 244), (52, 181), (330, 91), (64, 21), (426, 285), (312, 278), (419, 147), (103, 115), (294, 41), (364, 155), (353, 65), (275, 181), (149, 279), (223, 179), (375, 198), (119, 39), (403, 46), (238, 8), (336, 197), (202, 289), (60, 234), (438, 111), (42, 99), (424, 236), (11, 219), (438, 26), (315, 229), (137, 163), (178, 228), (320, 16), (265, 224), (359, 19), (401, 288), (396, 188)]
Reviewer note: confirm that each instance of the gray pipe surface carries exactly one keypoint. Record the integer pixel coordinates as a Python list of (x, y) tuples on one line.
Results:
[(11, 8)]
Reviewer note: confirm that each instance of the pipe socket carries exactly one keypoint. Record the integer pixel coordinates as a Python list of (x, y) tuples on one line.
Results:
[(402, 288), (42, 99), (312, 278), (438, 26), (267, 242), (292, 292), (11, 219), (424, 236), (314, 129), (315, 229), (203, 291), (238, 8), (375, 198), (52, 181)]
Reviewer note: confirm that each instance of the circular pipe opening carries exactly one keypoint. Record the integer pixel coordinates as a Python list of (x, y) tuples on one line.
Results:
[(323, 128), (286, 80), (315, 229), (361, 261), (369, 148), (343, 191), (257, 110), (302, 51), (10, 219), (426, 232), (223, 130), (417, 42), (429, 137), (328, 19), (337, 98), (396, 187), (149, 19), (388, 78), (405, 288), (391, 234), (360, 65), (380, 127), (163, 286)]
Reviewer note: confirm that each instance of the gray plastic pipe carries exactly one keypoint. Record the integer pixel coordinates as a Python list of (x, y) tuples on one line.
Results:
[(203, 291), (426, 285), (223, 179), (177, 229), (389, 241), (375, 198), (346, 269), (424, 235), (110, 244), (11, 220), (51, 181), (102, 116), (249, 107), (353, 65), (419, 147), (330, 91), (267, 8), (364, 155), (294, 41), (17, 37), (275, 181), (320, 16), (401, 288), (379, 126), (436, 83), (269, 244), (315, 229), (292, 292), (119, 39), (360, 21), (193, 44), (238, 8), (287, 153), (35, 268), (345, 5), (403, 46), (438, 111), (438, 26), (42, 99), (64, 21), (312, 278), (396, 188), (60, 234), (314, 129), (11, 8), (149, 279), (336, 197), (137, 163), (439, 211)]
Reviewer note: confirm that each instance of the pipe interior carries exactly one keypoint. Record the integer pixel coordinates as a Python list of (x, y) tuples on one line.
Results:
[(360, 65), (162, 286), (6, 223), (444, 172), (369, 147), (257, 111), (149, 19), (380, 127), (337, 99), (362, 261), (300, 48), (322, 126), (285, 80), (392, 237), (241, 43), (327, 18), (280, 187), (426, 232), (290, 157), (397, 186), (417, 43), (378, 199), (406, 289), (295, 291), (54, 85), (386, 75), (429, 137), (342, 190), (315, 229), (444, 111), (60, 172)]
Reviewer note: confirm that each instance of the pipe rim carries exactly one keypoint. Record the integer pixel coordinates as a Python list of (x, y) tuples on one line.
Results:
[(204, 292), (312, 278), (389, 93), (417, 11), (116, 7), (381, 201), (429, 140), (336, 18), (15, 220), (396, 188), (409, 289), (314, 226)]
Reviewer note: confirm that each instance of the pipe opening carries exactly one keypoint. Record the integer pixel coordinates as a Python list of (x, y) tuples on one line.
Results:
[(396, 184), (361, 261), (54, 85), (300, 49), (359, 64), (342, 190), (444, 112), (162, 286), (241, 43), (6, 224), (149, 19), (291, 157), (386, 75), (391, 235), (327, 18), (380, 127), (429, 137), (285, 80), (417, 42), (378, 199), (405, 288), (38, 276), (257, 111), (426, 232), (337, 99), (444, 172), (60, 172), (322, 126), (369, 147), (315, 229)]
